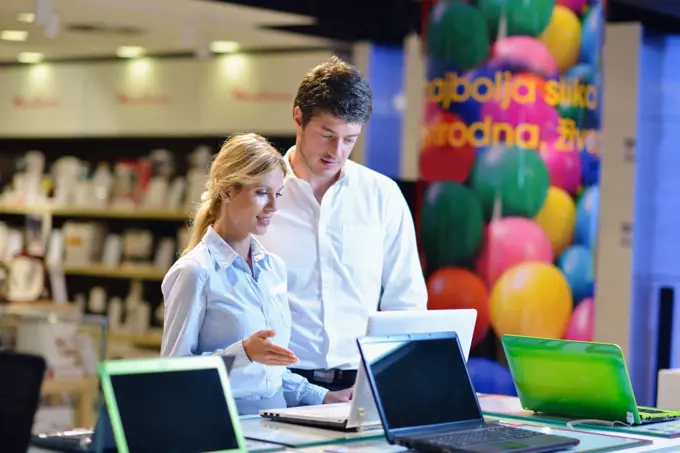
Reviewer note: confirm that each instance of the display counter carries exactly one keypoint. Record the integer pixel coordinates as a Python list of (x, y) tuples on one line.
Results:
[(268, 436)]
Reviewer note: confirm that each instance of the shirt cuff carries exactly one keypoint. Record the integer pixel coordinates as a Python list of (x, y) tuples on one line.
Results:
[(236, 351), (313, 395)]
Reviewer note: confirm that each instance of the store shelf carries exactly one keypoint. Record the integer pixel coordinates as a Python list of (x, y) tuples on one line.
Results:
[(20, 308), (151, 339), (124, 272), (83, 388), (111, 213)]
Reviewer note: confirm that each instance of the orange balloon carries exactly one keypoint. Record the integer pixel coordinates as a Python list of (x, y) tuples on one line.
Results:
[(456, 288)]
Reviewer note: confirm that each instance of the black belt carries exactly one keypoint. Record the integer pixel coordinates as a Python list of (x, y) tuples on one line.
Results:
[(330, 377)]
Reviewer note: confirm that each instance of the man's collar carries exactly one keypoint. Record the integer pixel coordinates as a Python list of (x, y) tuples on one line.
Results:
[(345, 172)]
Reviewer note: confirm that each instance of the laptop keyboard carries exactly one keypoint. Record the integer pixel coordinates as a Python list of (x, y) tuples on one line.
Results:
[(480, 436)]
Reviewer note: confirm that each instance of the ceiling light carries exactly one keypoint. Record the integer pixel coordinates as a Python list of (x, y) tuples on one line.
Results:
[(13, 35), (223, 46), (30, 57), (130, 52), (26, 17)]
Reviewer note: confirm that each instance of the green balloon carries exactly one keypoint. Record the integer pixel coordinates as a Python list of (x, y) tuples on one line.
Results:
[(573, 112), (458, 33), (523, 17), (451, 224), (515, 177)]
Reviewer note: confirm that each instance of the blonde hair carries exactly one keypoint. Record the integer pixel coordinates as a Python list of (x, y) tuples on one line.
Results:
[(242, 159)]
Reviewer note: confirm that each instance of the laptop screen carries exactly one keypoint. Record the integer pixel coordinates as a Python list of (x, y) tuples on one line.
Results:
[(179, 411), (421, 382)]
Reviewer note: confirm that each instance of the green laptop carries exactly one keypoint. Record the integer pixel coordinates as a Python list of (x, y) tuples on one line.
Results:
[(576, 379), (178, 404)]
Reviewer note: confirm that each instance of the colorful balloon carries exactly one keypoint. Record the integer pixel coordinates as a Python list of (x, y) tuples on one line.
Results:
[(593, 36), (522, 17), (451, 224), (458, 33), (531, 299), (586, 217), (557, 218), (562, 37), (457, 288), (577, 6), (522, 53), (590, 168), (443, 157), (490, 377), (582, 322), (510, 241), (469, 108), (496, 181), (564, 165), (521, 106), (576, 263)]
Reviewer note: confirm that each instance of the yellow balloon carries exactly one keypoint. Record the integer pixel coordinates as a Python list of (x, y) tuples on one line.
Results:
[(562, 37), (557, 218), (531, 299)]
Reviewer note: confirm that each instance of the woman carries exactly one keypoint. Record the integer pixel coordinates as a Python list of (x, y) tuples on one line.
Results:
[(226, 295)]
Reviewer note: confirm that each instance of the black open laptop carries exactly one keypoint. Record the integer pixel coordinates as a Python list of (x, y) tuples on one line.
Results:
[(427, 402), (21, 378)]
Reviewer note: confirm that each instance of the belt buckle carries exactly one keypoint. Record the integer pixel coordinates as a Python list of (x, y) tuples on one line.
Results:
[(326, 376)]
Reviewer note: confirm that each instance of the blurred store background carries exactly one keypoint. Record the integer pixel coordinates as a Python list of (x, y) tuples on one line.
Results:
[(111, 109)]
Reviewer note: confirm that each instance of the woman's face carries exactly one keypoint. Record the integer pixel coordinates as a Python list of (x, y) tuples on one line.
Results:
[(251, 208)]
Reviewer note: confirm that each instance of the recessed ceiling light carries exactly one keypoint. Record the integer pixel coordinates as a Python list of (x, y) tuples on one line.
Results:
[(223, 46), (130, 51), (26, 17), (13, 35), (30, 57)]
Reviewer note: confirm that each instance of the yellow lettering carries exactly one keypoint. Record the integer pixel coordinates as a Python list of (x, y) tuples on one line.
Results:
[(527, 136), (552, 93)]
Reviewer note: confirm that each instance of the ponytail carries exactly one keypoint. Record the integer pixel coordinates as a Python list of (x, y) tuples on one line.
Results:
[(205, 216)]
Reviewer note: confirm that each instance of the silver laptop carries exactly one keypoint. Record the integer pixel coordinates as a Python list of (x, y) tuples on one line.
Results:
[(361, 412)]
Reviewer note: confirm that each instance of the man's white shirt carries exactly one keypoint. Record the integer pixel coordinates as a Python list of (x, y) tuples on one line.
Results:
[(347, 257)]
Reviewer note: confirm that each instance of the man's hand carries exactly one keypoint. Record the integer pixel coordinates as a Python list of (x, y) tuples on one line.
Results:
[(339, 396), (259, 349)]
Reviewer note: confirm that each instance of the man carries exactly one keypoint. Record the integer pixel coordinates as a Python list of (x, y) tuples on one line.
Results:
[(344, 231)]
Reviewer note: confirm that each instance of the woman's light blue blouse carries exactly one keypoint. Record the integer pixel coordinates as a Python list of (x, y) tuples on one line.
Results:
[(213, 302)]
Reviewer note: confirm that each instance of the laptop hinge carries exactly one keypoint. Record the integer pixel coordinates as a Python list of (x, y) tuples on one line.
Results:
[(431, 430)]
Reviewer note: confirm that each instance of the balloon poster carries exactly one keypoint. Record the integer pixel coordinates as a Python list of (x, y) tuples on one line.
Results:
[(510, 163)]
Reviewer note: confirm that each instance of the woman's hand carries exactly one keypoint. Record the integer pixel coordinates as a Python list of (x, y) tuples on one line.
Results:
[(339, 396), (259, 349)]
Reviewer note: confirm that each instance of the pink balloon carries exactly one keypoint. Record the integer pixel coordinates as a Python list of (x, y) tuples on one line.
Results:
[(563, 164), (510, 241), (538, 113), (525, 54), (582, 322), (577, 6)]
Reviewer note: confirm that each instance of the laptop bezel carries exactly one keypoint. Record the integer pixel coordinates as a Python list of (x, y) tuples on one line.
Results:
[(393, 433), (159, 365)]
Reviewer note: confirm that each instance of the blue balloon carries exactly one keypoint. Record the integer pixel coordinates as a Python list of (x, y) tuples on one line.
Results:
[(576, 263), (590, 168), (582, 72), (470, 110), (490, 377), (586, 216), (594, 218), (592, 36)]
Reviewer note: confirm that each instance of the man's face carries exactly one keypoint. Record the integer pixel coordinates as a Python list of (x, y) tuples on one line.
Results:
[(325, 142)]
